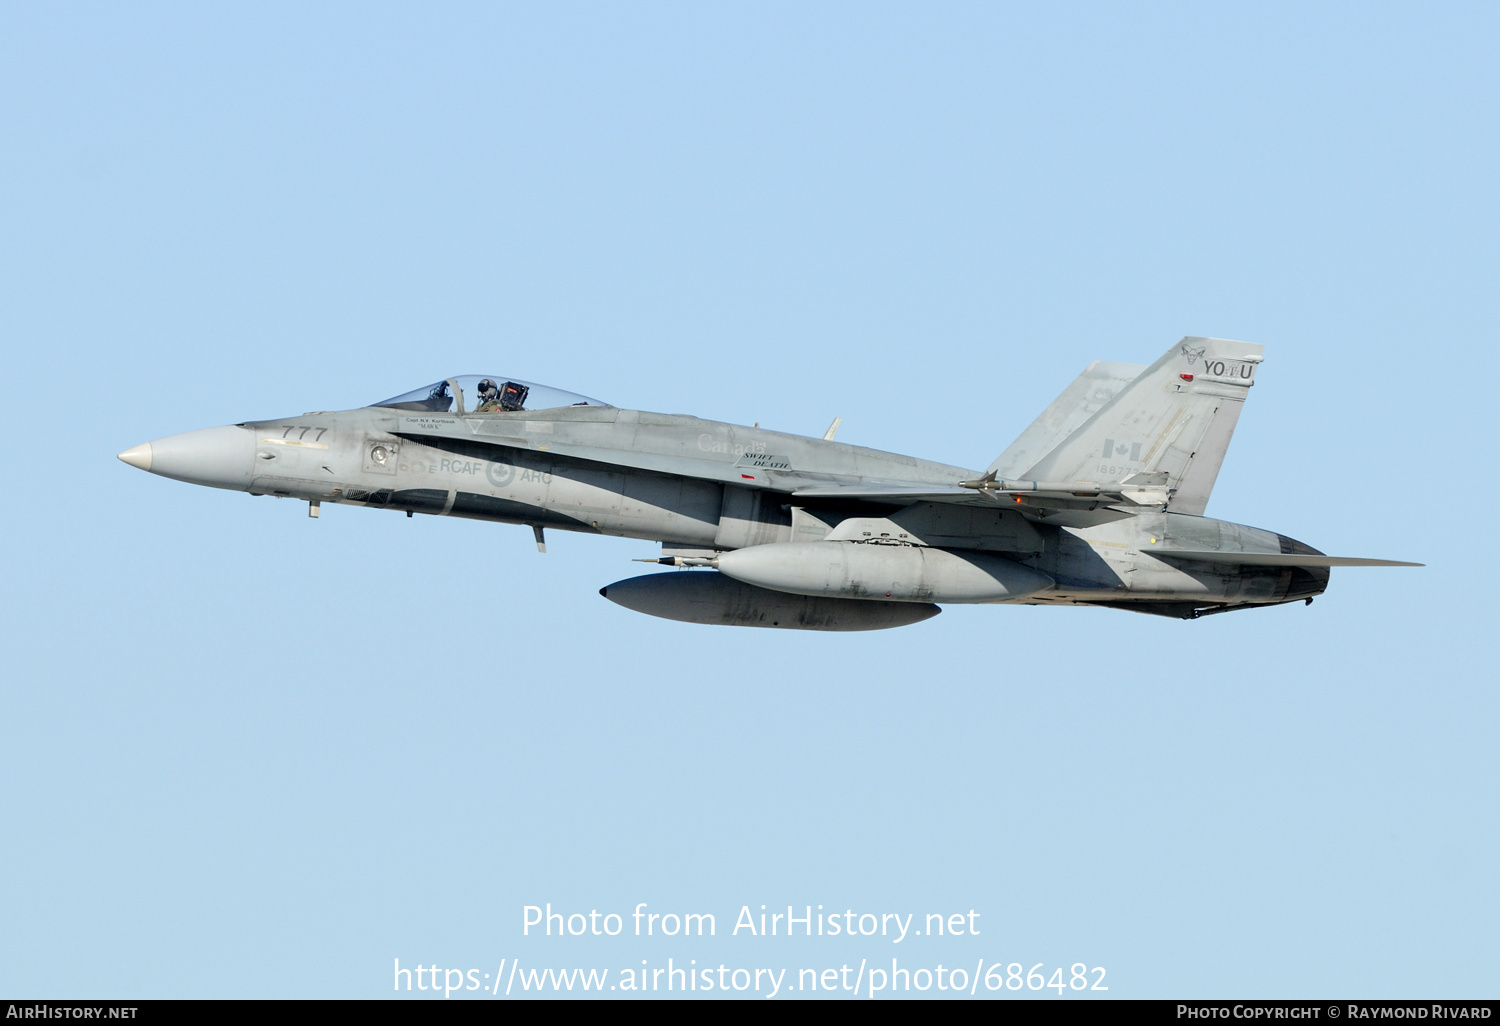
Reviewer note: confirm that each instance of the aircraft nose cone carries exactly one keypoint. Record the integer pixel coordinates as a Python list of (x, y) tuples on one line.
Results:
[(220, 457), (138, 457)]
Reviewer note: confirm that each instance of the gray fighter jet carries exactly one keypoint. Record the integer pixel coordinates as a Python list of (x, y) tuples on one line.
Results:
[(1099, 502)]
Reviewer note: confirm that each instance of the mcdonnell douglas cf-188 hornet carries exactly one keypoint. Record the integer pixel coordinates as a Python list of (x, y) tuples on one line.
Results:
[(1098, 503)]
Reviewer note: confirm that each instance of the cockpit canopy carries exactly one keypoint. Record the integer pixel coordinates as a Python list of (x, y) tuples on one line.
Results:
[(485, 393)]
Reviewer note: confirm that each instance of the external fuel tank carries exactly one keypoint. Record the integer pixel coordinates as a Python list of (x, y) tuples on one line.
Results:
[(890, 573)]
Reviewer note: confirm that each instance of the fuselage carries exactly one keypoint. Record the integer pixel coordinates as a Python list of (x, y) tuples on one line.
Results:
[(702, 488)]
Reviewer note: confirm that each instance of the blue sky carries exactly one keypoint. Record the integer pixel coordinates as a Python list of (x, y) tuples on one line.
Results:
[(250, 754)]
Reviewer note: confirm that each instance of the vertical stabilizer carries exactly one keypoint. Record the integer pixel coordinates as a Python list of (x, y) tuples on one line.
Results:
[(1176, 416)]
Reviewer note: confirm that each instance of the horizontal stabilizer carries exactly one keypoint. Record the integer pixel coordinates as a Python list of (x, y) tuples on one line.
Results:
[(1273, 558)]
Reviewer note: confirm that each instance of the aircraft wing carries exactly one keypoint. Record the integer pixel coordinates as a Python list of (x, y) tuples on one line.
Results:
[(475, 437), (750, 470), (889, 493), (1272, 558), (1081, 505), (1072, 504)]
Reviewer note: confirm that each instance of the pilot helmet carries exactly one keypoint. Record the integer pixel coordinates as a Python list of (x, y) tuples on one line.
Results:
[(488, 389)]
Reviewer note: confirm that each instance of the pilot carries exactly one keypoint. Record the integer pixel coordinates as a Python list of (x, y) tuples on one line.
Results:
[(489, 397)]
